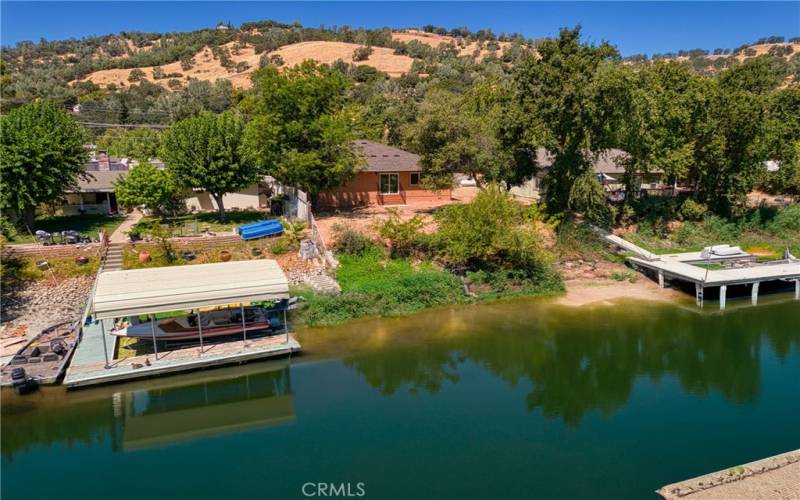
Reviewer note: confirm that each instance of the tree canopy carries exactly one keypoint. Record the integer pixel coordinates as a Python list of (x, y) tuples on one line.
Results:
[(42, 156), (204, 152), (148, 185), (301, 132), (561, 108)]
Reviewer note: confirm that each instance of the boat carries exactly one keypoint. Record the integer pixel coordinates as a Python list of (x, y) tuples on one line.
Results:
[(272, 227), (43, 360), (214, 324)]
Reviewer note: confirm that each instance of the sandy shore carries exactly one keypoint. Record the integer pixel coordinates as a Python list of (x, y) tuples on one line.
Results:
[(581, 292)]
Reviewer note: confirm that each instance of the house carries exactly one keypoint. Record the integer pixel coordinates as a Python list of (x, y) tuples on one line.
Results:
[(609, 166), (95, 193), (391, 176)]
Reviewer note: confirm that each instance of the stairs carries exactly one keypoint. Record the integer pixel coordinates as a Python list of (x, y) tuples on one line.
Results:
[(324, 284), (114, 257), (391, 199)]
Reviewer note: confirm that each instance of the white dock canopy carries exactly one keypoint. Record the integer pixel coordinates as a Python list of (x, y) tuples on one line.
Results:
[(161, 289)]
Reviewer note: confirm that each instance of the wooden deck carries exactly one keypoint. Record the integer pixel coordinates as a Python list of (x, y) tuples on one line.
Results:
[(91, 371), (774, 478)]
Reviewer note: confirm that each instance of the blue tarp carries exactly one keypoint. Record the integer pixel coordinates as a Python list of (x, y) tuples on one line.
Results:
[(270, 227)]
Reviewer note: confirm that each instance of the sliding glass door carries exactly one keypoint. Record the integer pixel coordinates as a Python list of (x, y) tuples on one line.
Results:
[(389, 183)]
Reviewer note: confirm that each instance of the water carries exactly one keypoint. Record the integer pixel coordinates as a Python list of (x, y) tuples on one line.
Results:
[(522, 399)]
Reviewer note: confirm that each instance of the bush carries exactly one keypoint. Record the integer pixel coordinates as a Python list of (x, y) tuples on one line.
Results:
[(280, 247), (401, 235), (691, 210), (490, 232), (136, 75), (786, 222), (350, 241), (362, 53), (7, 229)]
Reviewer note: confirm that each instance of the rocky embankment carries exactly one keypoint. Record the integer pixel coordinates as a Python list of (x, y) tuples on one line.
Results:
[(28, 309)]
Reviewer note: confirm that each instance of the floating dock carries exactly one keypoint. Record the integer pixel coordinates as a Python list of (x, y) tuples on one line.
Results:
[(775, 478), (696, 268)]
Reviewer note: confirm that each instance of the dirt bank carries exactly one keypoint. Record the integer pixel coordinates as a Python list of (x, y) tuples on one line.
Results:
[(581, 292)]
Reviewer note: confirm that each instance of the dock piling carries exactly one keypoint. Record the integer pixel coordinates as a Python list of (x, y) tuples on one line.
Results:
[(105, 348), (754, 293), (698, 294), (723, 290), (796, 289), (661, 279)]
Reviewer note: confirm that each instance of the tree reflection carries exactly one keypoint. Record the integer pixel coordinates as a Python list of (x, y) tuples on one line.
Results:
[(587, 359)]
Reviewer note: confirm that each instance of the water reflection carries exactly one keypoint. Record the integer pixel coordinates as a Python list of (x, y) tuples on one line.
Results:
[(578, 360), (153, 412)]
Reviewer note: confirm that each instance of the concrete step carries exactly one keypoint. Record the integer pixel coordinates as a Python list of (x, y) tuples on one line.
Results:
[(323, 284)]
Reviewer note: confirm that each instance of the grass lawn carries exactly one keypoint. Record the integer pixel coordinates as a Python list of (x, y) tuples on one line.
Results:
[(207, 221), (89, 224)]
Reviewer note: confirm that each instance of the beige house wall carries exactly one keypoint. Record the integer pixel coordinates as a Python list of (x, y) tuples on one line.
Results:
[(247, 198)]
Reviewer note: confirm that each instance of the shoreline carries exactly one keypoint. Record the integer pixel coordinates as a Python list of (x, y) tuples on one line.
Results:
[(583, 292)]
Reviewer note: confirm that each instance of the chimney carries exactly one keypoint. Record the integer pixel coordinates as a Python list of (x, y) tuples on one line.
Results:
[(102, 161)]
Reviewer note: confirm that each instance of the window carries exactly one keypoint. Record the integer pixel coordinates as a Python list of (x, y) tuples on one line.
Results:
[(389, 183), (415, 179)]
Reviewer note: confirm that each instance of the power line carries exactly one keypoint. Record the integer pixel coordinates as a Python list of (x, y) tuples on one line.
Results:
[(120, 125)]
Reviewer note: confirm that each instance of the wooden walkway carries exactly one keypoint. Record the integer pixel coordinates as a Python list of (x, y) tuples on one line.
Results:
[(774, 478), (88, 370)]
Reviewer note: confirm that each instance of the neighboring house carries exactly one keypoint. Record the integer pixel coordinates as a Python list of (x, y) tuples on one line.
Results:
[(609, 166), (95, 194), (391, 177)]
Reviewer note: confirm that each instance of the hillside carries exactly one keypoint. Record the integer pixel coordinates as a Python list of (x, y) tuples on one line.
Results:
[(88, 69), (209, 67)]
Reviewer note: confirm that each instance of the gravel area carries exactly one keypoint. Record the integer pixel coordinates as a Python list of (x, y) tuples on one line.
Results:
[(36, 306)]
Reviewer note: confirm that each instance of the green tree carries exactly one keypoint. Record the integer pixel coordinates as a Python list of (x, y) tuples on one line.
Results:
[(140, 144), (42, 156), (559, 107), (301, 132), (205, 152), (150, 186), (459, 134), (491, 232)]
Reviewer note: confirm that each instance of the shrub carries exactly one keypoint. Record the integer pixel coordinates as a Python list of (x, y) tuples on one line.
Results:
[(7, 229), (280, 247), (136, 75), (692, 210), (786, 222), (276, 60), (401, 235), (362, 53), (350, 241), (489, 232)]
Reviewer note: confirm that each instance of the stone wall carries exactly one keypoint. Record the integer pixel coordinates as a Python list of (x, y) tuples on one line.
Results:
[(32, 250)]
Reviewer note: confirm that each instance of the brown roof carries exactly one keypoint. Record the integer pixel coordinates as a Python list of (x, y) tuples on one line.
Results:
[(383, 158), (610, 161)]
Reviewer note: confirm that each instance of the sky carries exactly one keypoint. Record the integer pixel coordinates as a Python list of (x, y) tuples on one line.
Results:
[(634, 27)]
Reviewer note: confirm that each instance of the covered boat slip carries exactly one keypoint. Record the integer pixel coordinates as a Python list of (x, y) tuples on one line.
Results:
[(146, 292)]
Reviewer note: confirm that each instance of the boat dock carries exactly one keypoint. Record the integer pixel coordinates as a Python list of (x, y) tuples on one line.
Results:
[(91, 369), (709, 270), (118, 295), (775, 478)]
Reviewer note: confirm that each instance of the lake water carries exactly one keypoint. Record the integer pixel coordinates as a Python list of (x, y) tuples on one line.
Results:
[(519, 399)]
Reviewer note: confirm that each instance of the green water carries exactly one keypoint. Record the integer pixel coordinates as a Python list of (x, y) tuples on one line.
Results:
[(521, 399)]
